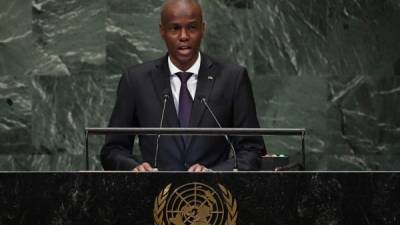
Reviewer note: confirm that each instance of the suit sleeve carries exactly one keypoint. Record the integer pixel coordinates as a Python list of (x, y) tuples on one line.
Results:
[(249, 149), (116, 153)]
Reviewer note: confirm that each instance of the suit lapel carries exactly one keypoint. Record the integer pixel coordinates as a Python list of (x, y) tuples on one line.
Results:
[(161, 80), (205, 84)]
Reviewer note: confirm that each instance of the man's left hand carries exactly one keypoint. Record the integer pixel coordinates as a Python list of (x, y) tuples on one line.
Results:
[(198, 168)]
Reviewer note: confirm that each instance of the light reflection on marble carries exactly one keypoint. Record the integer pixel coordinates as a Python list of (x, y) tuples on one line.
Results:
[(15, 86), (328, 66)]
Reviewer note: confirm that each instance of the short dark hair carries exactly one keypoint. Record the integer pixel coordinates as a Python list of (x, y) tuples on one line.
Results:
[(167, 2)]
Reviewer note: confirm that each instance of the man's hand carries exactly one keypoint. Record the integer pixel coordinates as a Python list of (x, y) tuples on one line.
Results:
[(144, 167), (198, 168)]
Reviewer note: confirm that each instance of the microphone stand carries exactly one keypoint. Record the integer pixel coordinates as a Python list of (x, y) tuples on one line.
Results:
[(235, 167), (165, 97)]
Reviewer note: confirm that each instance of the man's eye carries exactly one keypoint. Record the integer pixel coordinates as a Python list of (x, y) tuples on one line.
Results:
[(174, 28), (192, 27)]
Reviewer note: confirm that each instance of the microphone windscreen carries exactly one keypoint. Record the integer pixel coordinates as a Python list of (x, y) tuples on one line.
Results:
[(396, 67), (165, 93), (200, 96)]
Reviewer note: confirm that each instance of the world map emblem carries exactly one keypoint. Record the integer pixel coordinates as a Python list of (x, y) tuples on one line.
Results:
[(195, 204)]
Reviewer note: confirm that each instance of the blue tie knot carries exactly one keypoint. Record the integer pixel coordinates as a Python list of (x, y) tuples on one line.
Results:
[(184, 76)]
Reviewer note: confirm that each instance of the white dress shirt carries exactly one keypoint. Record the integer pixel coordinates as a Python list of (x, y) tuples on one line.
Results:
[(176, 82)]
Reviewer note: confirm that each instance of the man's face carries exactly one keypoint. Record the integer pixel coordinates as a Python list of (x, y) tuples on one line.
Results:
[(182, 29)]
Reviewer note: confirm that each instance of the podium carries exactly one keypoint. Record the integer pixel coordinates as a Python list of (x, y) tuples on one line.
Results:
[(242, 198), (269, 162)]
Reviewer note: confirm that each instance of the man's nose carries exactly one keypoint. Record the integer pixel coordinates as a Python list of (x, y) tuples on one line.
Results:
[(184, 35)]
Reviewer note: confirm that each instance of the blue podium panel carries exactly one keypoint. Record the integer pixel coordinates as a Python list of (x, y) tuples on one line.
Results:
[(163, 198)]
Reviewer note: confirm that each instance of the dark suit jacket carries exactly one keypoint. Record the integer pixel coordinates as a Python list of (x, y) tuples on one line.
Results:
[(139, 103)]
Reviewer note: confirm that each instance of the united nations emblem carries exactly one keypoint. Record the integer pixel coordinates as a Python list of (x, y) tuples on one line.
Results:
[(195, 204)]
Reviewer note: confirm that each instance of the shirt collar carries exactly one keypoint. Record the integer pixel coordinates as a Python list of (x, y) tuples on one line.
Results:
[(193, 69)]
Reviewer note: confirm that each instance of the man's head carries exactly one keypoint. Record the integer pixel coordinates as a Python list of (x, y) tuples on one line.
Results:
[(182, 29)]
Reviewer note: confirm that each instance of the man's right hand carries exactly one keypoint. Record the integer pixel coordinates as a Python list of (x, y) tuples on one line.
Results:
[(144, 167)]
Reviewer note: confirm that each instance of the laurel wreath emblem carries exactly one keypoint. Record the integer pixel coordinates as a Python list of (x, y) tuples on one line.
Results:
[(161, 200), (231, 206), (159, 205)]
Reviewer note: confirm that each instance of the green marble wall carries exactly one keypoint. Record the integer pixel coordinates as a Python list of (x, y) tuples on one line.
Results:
[(328, 66)]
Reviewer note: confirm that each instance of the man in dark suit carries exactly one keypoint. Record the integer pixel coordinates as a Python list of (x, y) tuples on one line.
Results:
[(186, 75)]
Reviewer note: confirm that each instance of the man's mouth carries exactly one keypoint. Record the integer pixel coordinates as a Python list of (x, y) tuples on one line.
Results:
[(184, 50)]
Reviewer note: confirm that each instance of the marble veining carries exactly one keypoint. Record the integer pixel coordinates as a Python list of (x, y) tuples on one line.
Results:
[(262, 198), (329, 66)]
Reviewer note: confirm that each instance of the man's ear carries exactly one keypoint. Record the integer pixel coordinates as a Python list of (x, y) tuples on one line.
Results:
[(162, 31)]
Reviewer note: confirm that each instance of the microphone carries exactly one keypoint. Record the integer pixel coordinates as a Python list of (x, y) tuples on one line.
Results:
[(165, 99), (235, 167)]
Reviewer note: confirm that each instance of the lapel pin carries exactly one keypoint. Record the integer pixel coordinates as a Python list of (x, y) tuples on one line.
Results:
[(210, 78)]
